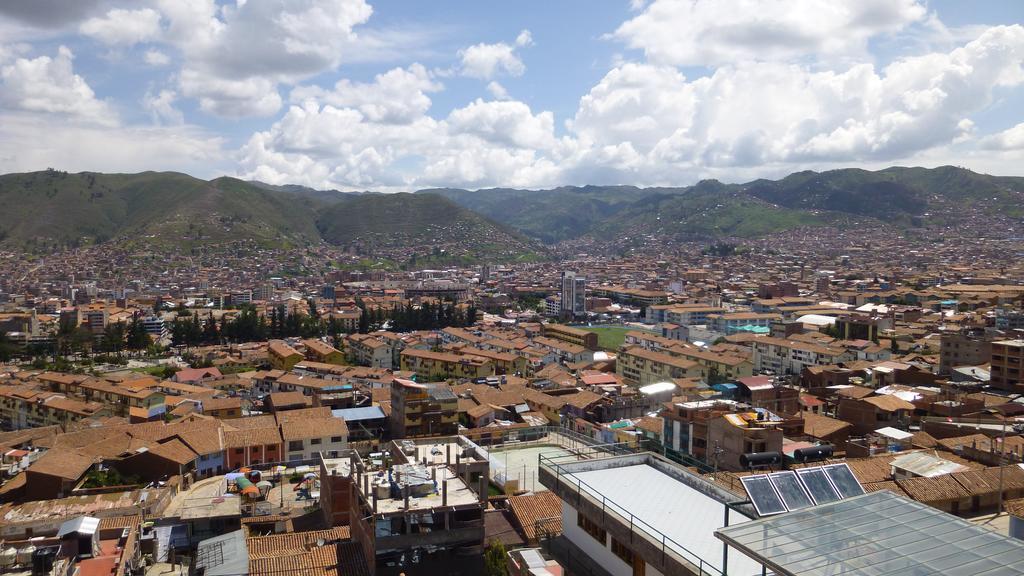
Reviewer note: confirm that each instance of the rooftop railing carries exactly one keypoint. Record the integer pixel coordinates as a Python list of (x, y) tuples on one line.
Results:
[(668, 547)]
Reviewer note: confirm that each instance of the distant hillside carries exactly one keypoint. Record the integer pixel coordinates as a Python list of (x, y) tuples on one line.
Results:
[(709, 209), (900, 196), (52, 209), (427, 225), (548, 215)]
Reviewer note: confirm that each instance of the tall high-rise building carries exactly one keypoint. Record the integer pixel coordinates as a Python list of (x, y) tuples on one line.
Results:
[(574, 294)]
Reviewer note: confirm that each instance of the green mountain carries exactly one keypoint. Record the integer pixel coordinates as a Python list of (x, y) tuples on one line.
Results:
[(52, 209), (548, 215), (45, 211), (708, 209), (899, 196), (421, 228)]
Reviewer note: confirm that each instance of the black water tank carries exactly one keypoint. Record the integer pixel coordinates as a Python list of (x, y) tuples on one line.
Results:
[(813, 453), (758, 459), (43, 558)]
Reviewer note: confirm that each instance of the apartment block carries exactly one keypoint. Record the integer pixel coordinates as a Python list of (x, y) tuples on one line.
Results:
[(433, 366), (1007, 360), (422, 409), (641, 367)]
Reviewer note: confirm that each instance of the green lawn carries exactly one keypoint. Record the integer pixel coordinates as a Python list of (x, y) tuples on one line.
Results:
[(610, 337)]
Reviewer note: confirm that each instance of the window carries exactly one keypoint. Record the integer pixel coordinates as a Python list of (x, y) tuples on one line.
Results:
[(592, 528), (315, 441), (239, 451), (335, 438), (620, 550), (295, 445)]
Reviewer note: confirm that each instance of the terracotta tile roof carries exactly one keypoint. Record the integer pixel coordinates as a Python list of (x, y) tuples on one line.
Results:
[(582, 399), (819, 426), (310, 423), (1015, 507), (299, 552), (293, 542), (889, 403), (529, 508), (922, 439), (873, 469), (954, 443), (251, 437), (281, 349), (175, 450), (936, 489), (252, 422), (480, 411), (282, 399), (115, 522), (222, 403), (855, 392), (62, 463), (884, 485)]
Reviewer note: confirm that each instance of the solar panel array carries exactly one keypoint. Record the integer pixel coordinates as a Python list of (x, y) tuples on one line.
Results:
[(786, 491)]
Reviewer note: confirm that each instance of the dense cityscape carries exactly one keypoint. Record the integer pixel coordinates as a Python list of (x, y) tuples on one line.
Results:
[(265, 311)]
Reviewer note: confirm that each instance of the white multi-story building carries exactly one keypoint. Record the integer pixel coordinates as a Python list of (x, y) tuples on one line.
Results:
[(574, 294), (791, 357), (155, 327)]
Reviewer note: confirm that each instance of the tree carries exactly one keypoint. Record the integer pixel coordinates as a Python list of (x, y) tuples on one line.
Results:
[(894, 346), (114, 337), (7, 348), (137, 338), (495, 560), (210, 333), (364, 321)]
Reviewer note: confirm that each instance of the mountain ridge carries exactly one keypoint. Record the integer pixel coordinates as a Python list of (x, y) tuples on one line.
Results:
[(49, 210)]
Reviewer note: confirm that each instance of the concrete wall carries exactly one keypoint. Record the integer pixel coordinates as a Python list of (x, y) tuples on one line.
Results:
[(600, 554)]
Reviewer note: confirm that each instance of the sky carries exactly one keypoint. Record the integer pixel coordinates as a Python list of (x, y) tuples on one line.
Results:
[(399, 95)]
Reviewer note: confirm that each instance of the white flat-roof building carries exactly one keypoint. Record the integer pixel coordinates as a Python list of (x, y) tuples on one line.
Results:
[(641, 514)]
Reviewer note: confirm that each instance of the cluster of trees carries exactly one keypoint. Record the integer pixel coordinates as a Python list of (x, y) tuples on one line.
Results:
[(116, 339), (249, 326), (408, 318)]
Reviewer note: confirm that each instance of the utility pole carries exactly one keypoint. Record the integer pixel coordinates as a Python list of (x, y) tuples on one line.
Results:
[(1002, 447)]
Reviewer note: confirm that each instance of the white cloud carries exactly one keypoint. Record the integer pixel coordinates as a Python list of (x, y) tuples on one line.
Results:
[(252, 96), (235, 57), (485, 61), (643, 124), (1009, 139), (124, 27), (327, 145), (156, 58), (161, 107), (33, 142), (397, 96), (764, 114), (714, 32), (497, 90), (50, 85), (509, 124)]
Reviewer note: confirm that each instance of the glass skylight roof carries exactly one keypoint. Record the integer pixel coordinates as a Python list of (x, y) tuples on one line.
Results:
[(874, 534)]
